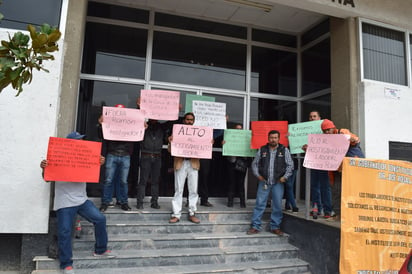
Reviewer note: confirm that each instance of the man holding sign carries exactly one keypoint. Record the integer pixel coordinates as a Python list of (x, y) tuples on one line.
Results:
[(272, 166), (70, 199), (188, 167)]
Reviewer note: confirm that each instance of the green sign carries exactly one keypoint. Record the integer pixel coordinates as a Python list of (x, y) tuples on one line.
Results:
[(237, 143), (192, 97), (298, 134)]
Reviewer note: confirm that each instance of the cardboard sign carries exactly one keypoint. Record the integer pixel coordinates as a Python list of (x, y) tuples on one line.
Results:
[(326, 151), (260, 130), (160, 104), (192, 141), (123, 124), (237, 143), (193, 97), (298, 134), (376, 204), (72, 160), (210, 114)]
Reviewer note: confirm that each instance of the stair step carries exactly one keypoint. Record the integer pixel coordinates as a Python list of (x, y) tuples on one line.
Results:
[(182, 240), (279, 266), (183, 256)]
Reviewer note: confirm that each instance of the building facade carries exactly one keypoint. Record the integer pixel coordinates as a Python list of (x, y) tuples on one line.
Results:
[(267, 60)]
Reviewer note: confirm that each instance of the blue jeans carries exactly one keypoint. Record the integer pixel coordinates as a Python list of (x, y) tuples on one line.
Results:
[(276, 193), (290, 196), (65, 219), (320, 190), (116, 165)]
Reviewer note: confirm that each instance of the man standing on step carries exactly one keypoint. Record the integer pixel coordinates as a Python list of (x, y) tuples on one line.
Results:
[(150, 163), (273, 165), (71, 199), (185, 168)]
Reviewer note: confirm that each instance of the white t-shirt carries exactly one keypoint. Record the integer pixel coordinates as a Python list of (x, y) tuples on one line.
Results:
[(69, 194)]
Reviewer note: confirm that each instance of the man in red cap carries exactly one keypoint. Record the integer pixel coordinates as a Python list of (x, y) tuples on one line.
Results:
[(328, 127)]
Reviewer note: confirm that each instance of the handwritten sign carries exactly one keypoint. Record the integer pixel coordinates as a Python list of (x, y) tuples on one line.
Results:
[(237, 143), (260, 130), (210, 114), (123, 124), (298, 134), (376, 235), (160, 104), (192, 97), (192, 141), (72, 160), (326, 151)]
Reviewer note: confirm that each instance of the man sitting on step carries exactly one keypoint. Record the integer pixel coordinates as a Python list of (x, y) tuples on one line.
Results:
[(70, 199)]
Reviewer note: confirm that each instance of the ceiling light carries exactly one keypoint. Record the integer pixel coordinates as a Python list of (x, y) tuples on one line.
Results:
[(253, 4)]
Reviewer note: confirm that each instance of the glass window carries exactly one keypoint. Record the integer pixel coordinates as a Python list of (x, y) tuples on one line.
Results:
[(384, 54), (274, 38), (272, 110), (234, 108), (198, 61), (19, 13), (106, 53), (321, 104), (315, 32), (95, 94), (179, 22), (274, 71), (316, 67), (118, 12)]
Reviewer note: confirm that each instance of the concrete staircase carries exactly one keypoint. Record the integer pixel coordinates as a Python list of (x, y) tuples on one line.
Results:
[(145, 242)]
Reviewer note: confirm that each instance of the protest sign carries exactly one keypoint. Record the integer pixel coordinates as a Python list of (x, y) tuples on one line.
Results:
[(123, 124), (210, 114), (160, 104), (260, 130), (376, 207), (193, 97), (325, 151), (72, 160), (298, 134), (237, 143), (192, 141)]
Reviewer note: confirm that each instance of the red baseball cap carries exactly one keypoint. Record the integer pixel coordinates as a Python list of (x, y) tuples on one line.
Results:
[(120, 106)]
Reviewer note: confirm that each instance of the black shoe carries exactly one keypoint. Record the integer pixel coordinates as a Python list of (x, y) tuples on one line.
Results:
[(125, 207), (295, 210), (139, 206), (206, 203), (103, 207), (155, 205), (288, 208), (230, 203)]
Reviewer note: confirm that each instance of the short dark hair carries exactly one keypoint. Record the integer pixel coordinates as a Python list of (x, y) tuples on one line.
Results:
[(274, 132), (187, 114)]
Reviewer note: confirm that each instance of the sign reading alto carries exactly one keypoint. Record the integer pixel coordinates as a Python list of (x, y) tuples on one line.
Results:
[(123, 124), (192, 141)]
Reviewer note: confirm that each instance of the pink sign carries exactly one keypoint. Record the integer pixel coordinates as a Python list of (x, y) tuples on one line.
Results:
[(260, 130), (326, 151), (123, 124), (160, 104), (192, 141)]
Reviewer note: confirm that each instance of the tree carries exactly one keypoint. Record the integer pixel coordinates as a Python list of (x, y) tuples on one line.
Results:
[(18, 57)]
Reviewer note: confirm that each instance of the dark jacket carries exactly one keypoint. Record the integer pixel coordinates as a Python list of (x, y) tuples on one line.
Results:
[(279, 163)]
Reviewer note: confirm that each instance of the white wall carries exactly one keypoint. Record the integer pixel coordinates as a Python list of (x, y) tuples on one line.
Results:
[(388, 117), (26, 123)]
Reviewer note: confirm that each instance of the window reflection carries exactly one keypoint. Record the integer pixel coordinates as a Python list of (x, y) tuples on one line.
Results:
[(274, 71), (106, 53), (198, 61), (19, 13), (321, 104), (272, 110), (316, 68)]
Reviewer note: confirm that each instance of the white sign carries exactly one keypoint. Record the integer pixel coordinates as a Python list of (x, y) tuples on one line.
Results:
[(210, 114)]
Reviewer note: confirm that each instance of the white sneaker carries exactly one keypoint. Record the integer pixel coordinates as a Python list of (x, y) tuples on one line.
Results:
[(106, 255)]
